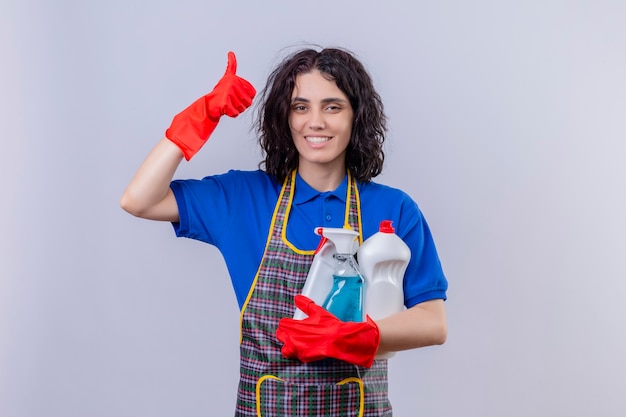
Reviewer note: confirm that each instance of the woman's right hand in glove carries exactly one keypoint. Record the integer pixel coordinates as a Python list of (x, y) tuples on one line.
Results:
[(191, 128)]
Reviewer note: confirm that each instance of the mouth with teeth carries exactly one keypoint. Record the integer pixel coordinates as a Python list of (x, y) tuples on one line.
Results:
[(317, 139)]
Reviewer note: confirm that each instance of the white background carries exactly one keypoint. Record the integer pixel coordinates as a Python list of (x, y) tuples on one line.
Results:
[(507, 126)]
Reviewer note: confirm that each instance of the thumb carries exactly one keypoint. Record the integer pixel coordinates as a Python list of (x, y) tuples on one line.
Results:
[(303, 302), (231, 68), (308, 306)]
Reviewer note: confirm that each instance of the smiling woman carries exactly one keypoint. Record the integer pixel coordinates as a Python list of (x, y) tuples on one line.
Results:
[(322, 126)]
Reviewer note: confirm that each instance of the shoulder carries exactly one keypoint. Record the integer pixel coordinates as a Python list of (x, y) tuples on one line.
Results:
[(211, 206), (227, 193), (252, 179), (233, 181), (375, 187), (373, 192), (383, 202)]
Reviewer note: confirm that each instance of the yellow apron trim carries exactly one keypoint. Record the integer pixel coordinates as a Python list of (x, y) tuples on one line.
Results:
[(342, 382), (258, 391), (361, 392), (287, 211), (358, 212), (346, 221), (346, 218), (267, 244)]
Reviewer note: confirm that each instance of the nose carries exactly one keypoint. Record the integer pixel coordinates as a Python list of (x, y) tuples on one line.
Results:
[(316, 121)]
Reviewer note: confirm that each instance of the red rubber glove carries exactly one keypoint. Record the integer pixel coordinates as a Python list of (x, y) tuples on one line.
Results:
[(192, 127), (322, 335)]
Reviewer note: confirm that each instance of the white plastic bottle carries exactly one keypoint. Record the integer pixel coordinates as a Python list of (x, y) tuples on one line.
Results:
[(319, 281), (383, 259)]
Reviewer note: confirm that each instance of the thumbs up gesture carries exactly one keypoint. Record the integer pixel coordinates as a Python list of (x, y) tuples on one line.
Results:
[(191, 128), (232, 94)]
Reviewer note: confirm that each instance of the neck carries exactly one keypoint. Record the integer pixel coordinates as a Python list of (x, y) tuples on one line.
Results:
[(323, 179)]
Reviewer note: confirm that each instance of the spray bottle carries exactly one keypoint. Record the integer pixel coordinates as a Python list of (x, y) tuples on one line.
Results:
[(334, 281), (383, 259)]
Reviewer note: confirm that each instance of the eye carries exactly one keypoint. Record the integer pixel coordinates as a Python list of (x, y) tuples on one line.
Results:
[(333, 108), (299, 108)]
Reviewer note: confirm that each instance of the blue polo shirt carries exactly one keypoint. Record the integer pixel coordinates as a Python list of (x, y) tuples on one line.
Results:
[(233, 211)]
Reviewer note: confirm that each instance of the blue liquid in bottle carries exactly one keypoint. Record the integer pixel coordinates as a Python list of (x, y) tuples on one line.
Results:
[(345, 299)]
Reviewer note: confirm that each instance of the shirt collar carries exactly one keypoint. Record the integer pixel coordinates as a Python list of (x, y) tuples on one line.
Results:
[(305, 193)]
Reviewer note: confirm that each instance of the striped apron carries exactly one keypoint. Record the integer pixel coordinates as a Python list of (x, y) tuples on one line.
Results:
[(271, 385)]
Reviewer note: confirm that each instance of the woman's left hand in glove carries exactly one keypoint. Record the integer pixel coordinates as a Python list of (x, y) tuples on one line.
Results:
[(322, 335)]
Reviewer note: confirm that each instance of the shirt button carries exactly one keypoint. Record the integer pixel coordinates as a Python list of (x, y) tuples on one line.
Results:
[(329, 217)]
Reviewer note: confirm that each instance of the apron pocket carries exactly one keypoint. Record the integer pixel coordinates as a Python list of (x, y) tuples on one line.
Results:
[(278, 398)]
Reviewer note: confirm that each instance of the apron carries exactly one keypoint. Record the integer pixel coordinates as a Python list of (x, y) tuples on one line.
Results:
[(271, 385)]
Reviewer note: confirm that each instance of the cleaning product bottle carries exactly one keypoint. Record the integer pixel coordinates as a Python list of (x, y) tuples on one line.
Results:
[(383, 259), (334, 281), (319, 280)]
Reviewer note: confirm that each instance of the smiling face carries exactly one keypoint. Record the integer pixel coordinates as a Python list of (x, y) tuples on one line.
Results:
[(320, 120)]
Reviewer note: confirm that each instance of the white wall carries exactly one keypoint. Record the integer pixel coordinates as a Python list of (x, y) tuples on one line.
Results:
[(507, 126)]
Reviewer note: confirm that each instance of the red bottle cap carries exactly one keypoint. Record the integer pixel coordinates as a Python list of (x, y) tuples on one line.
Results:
[(386, 226)]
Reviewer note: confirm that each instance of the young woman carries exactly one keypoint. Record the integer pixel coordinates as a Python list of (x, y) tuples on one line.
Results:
[(321, 126)]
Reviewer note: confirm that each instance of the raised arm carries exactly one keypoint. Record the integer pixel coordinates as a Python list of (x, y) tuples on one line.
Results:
[(148, 195)]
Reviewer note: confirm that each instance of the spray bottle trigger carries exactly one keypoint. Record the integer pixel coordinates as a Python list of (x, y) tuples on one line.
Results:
[(323, 241)]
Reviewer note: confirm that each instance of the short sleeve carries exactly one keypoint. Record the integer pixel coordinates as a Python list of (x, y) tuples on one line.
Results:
[(203, 206)]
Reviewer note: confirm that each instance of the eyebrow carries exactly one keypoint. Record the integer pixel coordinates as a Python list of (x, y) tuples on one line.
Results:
[(326, 100)]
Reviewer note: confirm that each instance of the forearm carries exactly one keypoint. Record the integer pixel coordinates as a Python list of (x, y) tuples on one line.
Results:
[(146, 194), (422, 325)]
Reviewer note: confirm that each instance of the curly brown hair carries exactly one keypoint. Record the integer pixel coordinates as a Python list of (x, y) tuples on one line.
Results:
[(364, 156)]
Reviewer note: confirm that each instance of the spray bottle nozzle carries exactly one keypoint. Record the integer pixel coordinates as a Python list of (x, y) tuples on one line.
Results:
[(345, 240)]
